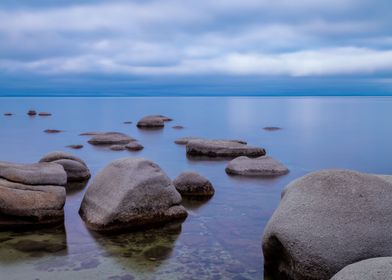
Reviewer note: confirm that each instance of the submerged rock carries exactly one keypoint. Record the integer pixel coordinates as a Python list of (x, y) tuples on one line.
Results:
[(8, 114), (327, 220), (193, 184), (52, 131), (75, 167), (134, 146), (272, 128), (153, 121), (110, 138), (370, 269), (127, 122), (44, 114), (263, 166), (31, 113), (221, 148), (130, 193), (178, 127), (31, 194)]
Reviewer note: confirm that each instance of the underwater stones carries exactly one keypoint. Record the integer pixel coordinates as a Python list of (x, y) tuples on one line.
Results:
[(327, 220), (221, 148), (75, 167), (110, 138), (31, 194), (130, 193), (52, 131), (272, 128), (153, 121), (263, 166), (127, 122), (7, 114), (158, 253), (44, 114), (31, 113), (33, 246), (370, 269), (134, 146), (193, 184)]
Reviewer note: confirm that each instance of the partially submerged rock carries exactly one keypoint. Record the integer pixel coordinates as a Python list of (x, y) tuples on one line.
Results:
[(31, 194), (75, 146), (44, 114), (327, 220), (130, 193), (8, 114), (110, 138), (75, 167), (193, 184), (178, 127), (370, 269), (52, 131), (221, 148), (272, 128), (263, 166), (117, 147), (185, 140), (31, 113), (134, 146), (153, 121)]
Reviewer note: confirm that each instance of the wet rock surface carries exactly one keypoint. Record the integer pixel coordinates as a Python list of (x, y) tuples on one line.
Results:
[(370, 269), (263, 166), (153, 121), (193, 184), (130, 193), (327, 220)]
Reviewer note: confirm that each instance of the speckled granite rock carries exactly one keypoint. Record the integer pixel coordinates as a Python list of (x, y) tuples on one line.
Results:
[(263, 166), (370, 269), (193, 184)]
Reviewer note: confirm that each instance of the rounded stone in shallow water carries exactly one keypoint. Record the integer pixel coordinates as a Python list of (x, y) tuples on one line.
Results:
[(193, 184), (263, 166), (158, 253), (134, 146), (110, 138), (117, 147), (33, 246)]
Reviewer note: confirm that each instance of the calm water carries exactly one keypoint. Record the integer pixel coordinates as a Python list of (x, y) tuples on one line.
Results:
[(221, 238)]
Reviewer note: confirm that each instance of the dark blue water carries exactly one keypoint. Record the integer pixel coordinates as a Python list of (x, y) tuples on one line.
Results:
[(221, 238)]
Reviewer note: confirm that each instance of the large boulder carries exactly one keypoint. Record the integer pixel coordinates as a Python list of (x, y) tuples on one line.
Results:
[(130, 193), (370, 269), (152, 121), (75, 167), (325, 221), (222, 148), (110, 138), (263, 166), (31, 194), (193, 184)]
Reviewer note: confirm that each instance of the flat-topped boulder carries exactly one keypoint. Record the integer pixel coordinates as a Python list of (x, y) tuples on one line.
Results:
[(370, 269), (264, 166), (327, 220), (31, 194), (110, 138), (130, 193), (75, 167), (221, 148), (153, 121), (192, 184)]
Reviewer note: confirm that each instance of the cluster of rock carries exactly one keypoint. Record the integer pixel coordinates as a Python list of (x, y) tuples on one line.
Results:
[(328, 220), (153, 122), (115, 141)]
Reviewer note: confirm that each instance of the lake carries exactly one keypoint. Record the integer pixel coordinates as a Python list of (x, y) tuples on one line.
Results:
[(221, 238)]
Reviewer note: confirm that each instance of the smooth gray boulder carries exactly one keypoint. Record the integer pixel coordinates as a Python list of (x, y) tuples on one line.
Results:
[(75, 167), (193, 184), (134, 146), (33, 174), (153, 121), (130, 193), (325, 221), (370, 269), (263, 166), (110, 138), (221, 148)]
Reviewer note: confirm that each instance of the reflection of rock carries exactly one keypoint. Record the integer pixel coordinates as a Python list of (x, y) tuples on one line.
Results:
[(130, 193), (370, 269), (110, 138), (327, 220), (193, 184), (221, 148), (152, 121), (32, 246), (263, 166)]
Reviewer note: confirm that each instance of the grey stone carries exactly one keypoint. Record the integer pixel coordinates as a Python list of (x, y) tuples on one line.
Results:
[(152, 121), (110, 138), (31, 113), (221, 148), (44, 114), (52, 131), (263, 166), (185, 140), (193, 184), (327, 220), (117, 147), (370, 269), (130, 193), (134, 146)]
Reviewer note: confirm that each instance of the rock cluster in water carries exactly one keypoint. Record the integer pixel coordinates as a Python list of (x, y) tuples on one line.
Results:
[(130, 193), (327, 220), (115, 141)]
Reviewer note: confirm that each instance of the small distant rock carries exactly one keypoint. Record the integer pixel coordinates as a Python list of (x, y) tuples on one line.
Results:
[(263, 166), (272, 128), (178, 127), (185, 140), (75, 147), (90, 133), (134, 146), (128, 122), (31, 113), (110, 138), (153, 121), (117, 147), (8, 114), (44, 114), (52, 131), (193, 184)]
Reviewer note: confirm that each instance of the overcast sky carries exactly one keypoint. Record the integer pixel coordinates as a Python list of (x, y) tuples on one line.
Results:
[(247, 41)]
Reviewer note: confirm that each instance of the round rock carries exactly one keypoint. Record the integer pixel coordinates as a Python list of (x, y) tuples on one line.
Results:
[(134, 146), (263, 166), (370, 269), (327, 220), (153, 121), (193, 184), (130, 193)]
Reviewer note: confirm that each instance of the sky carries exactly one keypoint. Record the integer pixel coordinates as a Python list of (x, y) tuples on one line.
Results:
[(196, 47)]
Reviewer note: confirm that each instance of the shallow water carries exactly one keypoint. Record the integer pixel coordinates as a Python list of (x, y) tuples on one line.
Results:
[(221, 238)]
